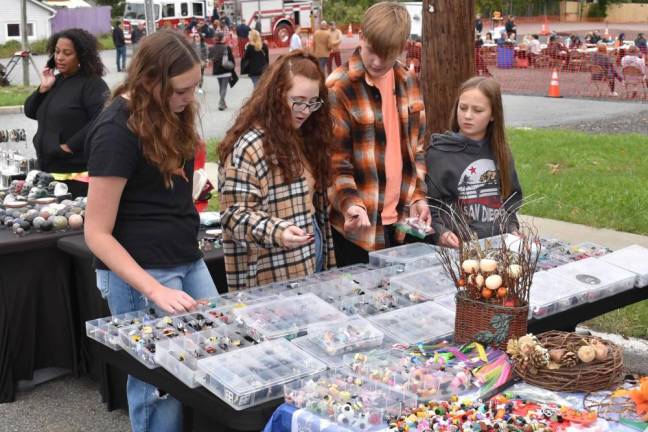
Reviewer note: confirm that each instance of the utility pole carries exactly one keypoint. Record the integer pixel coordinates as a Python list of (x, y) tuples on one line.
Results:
[(25, 44), (448, 57), (149, 15)]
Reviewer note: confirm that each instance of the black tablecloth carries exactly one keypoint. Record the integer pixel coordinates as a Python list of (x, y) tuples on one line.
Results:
[(36, 309), (203, 410), (90, 305)]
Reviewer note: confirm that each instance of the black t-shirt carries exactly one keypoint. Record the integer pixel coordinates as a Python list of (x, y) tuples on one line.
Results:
[(156, 225)]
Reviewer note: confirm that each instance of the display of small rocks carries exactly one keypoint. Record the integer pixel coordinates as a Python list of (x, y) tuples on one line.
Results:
[(528, 353), (61, 216)]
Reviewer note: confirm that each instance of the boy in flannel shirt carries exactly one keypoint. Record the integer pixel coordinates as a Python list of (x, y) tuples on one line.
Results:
[(379, 127)]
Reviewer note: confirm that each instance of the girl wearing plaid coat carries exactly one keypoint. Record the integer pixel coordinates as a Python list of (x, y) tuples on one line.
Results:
[(275, 169)]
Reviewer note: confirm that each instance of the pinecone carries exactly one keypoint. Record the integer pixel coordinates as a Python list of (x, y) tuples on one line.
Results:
[(569, 359), (539, 359), (513, 348)]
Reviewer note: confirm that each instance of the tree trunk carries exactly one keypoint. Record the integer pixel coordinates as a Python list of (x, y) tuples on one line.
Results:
[(448, 56)]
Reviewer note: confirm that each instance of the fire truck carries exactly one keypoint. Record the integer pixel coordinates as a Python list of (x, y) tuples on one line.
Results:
[(278, 17), (166, 12)]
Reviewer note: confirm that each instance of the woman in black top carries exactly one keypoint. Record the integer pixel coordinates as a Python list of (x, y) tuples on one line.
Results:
[(141, 222), (256, 57), (66, 103)]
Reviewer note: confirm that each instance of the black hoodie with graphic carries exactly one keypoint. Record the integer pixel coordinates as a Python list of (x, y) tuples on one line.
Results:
[(462, 173)]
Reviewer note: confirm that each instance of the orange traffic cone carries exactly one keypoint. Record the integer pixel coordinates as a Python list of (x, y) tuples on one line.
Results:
[(545, 28), (350, 31), (554, 86)]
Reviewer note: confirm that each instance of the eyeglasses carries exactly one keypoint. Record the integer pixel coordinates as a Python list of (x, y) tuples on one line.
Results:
[(300, 106)]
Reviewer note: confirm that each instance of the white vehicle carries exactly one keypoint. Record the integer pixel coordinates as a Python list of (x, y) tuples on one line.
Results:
[(415, 10), (278, 17)]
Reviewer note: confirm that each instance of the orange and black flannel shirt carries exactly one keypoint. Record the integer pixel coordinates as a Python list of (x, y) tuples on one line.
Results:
[(358, 161)]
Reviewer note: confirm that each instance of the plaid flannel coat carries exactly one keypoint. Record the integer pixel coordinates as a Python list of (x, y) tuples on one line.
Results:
[(359, 158), (257, 206)]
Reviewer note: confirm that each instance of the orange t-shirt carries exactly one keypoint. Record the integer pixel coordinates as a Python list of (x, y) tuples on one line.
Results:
[(393, 157)]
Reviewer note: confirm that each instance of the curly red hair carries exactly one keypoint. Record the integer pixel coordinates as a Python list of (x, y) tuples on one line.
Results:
[(268, 109)]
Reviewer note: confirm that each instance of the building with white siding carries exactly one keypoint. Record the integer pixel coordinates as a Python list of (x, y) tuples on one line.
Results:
[(38, 20)]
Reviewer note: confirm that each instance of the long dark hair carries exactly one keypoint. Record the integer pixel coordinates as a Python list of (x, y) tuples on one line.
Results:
[(495, 131), (168, 139), (86, 47), (269, 110)]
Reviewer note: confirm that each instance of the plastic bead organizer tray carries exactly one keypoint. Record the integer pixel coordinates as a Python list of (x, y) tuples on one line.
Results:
[(106, 330), (419, 323), (410, 256), (285, 317), (599, 278), (339, 337), (256, 374), (354, 402), (632, 258), (550, 295), (140, 340), (180, 355), (422, 285)]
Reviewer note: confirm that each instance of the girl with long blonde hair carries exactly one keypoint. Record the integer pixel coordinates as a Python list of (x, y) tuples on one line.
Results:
[(256, 57)]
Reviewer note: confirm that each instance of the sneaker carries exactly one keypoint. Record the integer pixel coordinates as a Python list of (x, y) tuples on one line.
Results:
[(615, 94)]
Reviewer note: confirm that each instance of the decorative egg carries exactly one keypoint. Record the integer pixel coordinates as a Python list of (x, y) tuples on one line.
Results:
[(556, 354), (479, 280), (602, 351), (488, 265), (486, 293), (515, 270), (44, 214), (75, 221), (470, 266), (502, 292), (493, 282), (586, 353), (47, 225), (26, 225)]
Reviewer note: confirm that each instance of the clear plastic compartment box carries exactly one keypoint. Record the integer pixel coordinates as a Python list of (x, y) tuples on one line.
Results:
[(140, 340), (372, 405), (338, 337), (423, 322), (256, 374), (180, 355), (632, 258), (409, 256), (598, 277), (422, 285), (106, 330), (551, 294), (287, 317)]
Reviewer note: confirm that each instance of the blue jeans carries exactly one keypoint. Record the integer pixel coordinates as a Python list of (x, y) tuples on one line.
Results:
[(147, 410), (319, 247), (121, 54), (255, 80)]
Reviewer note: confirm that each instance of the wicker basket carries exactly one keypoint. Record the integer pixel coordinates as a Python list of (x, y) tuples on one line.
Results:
[(474, 317), (589, 377)]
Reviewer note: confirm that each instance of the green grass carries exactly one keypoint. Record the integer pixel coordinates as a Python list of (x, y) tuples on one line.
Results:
[(212, 149), (595, 180), (40, 46), (214, 203), (14, 95), (630, 321)]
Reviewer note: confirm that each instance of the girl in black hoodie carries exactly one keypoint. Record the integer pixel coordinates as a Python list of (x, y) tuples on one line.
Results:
[(471, 169)]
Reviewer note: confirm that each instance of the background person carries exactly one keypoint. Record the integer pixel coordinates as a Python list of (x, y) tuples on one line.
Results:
[(217, 54), (256, 58), (120, 46), (136, 35), (609, 73), (141, 222), (66, 103), (295, 39), (274, 173), (322, 45), (336, 41), (470, 168)]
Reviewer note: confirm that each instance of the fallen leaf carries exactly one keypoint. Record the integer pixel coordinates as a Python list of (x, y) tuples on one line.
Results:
[(553, 168)]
